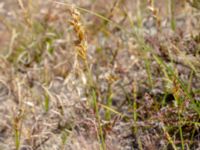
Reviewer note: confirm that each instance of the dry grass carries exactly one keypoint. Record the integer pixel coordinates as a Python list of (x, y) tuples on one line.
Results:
[(99, 75)]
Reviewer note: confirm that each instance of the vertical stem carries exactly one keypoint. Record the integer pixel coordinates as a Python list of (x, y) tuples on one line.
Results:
[(171, 5), (135, 130), (148, 70), (101, 138), (139, 15), (17, 138)]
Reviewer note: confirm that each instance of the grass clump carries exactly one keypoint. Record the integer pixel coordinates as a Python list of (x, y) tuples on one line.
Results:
[(93, 76)]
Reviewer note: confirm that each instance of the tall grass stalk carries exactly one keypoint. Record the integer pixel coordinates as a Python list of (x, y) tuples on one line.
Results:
[(169, 138), (100, 130), (109, 104), (139, 15), (18, 117), (148, 70), (171, 10), (81, 52), (135, 128)]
